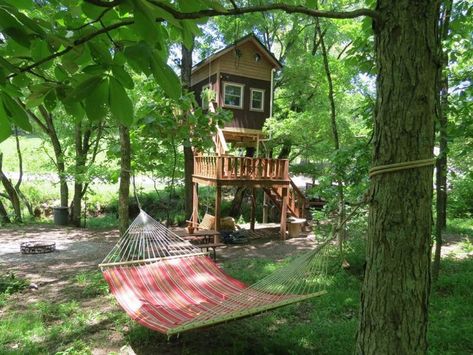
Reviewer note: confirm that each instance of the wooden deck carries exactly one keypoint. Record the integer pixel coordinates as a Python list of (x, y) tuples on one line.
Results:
[(230, 170)]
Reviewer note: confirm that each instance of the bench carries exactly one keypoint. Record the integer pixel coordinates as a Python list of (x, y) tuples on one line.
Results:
[(212, 246)]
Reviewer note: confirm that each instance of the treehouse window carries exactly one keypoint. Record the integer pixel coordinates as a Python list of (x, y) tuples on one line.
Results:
[(257, 100), (233, 95)]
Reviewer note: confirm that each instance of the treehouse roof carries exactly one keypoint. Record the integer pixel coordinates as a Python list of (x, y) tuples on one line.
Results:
[(248, 38)]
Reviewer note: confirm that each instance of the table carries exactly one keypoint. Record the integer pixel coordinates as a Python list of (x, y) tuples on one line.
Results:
[(202, 235), (203, 238)]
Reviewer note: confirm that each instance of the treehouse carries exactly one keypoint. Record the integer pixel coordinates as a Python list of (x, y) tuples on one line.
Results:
[(239, 78)]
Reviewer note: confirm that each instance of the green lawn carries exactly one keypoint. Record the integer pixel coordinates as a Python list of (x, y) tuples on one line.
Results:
[(34, 152)]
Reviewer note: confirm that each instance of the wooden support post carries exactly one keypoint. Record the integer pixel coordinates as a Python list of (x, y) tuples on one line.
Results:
[(283, 213), (195, 205), (253, 209), (265, 207), (218, 203)]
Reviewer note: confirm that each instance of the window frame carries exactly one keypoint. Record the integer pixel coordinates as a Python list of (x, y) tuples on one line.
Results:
[(242, 91), (262, 91)]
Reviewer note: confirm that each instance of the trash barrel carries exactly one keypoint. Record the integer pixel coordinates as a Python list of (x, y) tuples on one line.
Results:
[(61, 215)]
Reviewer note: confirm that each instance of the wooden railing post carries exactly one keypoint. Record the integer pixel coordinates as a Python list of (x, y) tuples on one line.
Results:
[(219, 167)]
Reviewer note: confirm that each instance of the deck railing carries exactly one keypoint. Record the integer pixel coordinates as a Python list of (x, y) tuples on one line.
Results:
[(241, 168)]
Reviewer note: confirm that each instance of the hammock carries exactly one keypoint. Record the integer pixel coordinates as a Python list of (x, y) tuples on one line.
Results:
[(165, 283)]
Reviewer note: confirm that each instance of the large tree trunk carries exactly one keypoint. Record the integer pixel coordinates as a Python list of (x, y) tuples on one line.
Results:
[(186, 69), (441, 168), (395, 293), (11, 192), (124, 188)]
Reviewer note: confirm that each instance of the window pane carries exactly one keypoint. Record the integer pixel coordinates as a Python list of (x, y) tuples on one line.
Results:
[(232, 95), (257, 100)]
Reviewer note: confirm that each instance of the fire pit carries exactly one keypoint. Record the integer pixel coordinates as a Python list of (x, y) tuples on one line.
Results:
[(33, 247)]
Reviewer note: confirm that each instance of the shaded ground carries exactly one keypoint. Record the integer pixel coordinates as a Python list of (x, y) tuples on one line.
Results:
[(57, 275)]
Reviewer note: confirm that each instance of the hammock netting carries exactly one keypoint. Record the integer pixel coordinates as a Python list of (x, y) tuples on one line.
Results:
[(167, 284)]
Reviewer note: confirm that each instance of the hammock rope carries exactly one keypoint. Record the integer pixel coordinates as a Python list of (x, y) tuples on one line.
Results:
[(167, 284)]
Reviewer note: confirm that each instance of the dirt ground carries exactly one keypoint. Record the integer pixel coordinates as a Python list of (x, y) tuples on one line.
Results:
[(80, 250)]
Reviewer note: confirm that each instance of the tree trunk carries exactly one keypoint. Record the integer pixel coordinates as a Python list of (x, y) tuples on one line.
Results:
[(50, 130), (339, 229), (12, 194), (441, 171), (124, 188), (20, 177), (395, 292), (186, 69), (81, 138), (235, 207), (4, 214)]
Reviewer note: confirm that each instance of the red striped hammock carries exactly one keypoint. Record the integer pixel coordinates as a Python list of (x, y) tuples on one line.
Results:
[(186, 289)]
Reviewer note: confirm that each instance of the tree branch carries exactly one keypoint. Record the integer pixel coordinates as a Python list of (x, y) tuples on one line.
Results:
[(267, 7), (102, 3)]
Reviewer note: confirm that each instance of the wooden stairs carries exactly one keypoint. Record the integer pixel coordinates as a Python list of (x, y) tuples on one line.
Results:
[(296, 201)]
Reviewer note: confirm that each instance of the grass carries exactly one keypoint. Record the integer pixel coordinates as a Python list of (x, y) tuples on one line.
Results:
[(33, 149), (87, 317)]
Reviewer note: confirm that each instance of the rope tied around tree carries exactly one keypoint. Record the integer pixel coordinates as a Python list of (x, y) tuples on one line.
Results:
[(389, 168)]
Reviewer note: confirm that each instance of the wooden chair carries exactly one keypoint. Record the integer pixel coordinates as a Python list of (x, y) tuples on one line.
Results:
[(208, 222)]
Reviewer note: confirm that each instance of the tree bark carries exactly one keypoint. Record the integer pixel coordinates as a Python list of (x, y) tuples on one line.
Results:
[(441, 166), (186, 69), (395, 292), (4, 214), (82, 146), (339, 228), (50, 130), (11, 192), (20, 177), (235, 207), (124, 187)]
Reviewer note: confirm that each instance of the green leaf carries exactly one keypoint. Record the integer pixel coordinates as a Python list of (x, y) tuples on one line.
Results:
[(96, 103), (94, 69), (11, 89), (91, 11), (12, 27), (16, 113), (60, 73), (74, 109), (138, 57), (145, 26), (100, 52), (30, 23), (21, 80), (38, 94), (5, 126), (50, 101), (121, 74), (166, 77), (39, 50), (21, 4), (85, 87), (120, 104)]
